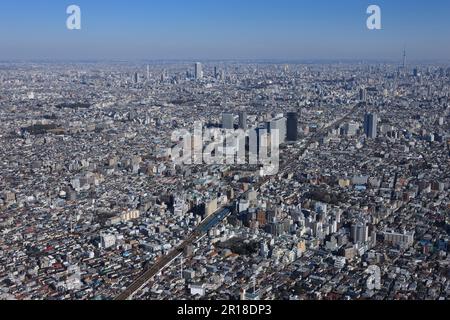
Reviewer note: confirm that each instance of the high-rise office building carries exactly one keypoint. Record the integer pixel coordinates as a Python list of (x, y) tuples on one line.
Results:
[(350, 129), (227, 121), (243, 120), (280, 125), (136, 78), (292, 126), (360, 232), (148, 73), (198, 71), (371, 125), (363, 95)]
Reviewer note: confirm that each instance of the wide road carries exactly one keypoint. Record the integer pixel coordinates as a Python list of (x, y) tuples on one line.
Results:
[(214, 219)]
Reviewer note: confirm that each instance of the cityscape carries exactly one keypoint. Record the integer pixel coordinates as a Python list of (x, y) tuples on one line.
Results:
[(225, 179)]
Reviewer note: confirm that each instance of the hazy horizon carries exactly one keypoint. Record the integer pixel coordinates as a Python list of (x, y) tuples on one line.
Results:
[(291, 30)]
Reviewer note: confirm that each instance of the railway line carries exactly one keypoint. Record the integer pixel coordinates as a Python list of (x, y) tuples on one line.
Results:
[(217, 217)]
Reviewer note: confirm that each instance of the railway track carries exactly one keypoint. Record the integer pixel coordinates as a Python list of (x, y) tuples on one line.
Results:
[(215, 219)]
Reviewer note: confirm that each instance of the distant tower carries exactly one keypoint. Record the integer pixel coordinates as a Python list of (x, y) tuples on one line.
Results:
[(370, 125), (148, 73), (198, 71), (404, 59), (136, 78)]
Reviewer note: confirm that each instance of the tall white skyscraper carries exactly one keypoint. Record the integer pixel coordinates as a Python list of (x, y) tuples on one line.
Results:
[(198, 71)]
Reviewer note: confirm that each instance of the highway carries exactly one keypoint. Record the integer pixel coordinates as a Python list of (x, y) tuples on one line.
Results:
[(217, 217)]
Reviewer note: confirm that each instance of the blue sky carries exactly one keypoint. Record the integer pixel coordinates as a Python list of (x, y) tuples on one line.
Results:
[(224, 29)]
